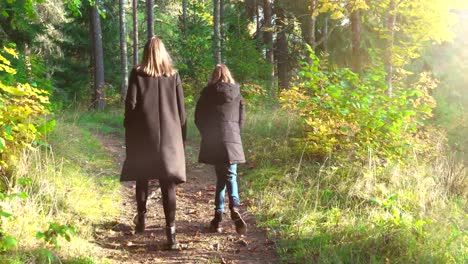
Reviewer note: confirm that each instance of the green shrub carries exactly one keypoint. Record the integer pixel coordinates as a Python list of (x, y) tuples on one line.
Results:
[(337, 211), (21, 109), (347, 115)]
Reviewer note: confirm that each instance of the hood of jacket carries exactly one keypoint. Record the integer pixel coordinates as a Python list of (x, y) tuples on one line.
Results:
[(222, 92)]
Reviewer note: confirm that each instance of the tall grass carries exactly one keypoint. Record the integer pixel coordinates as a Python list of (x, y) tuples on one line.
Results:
[(72, 182), (325, 211)]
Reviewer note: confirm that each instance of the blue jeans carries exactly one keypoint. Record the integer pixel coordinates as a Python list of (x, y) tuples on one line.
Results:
[(226, 175)]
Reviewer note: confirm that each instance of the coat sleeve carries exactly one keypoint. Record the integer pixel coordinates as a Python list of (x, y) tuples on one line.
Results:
[(181, 107), (197, 114), (241, 113), (131, 98), (200, 113)]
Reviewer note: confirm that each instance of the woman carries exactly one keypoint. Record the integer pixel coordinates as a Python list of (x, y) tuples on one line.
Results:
[(155, 131), (219, 116)]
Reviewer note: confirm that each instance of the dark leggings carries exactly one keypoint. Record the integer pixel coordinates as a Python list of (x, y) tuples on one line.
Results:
[(168, 191)]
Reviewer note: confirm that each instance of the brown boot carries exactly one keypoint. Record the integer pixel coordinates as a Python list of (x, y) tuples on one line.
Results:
[(214, 224), (139, 221), (241, 225), (172, 243)]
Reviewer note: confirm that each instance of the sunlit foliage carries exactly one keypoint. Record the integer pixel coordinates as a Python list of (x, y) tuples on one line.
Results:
[(21, 109), (350, 116)]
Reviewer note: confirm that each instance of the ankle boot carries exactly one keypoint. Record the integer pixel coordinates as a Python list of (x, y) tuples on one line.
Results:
[(241, 225), (139, 221), (172, 243), (214, 224)]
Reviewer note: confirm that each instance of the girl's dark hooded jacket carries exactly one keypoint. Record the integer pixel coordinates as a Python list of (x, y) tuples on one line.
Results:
[(155, 122), (219, 116)]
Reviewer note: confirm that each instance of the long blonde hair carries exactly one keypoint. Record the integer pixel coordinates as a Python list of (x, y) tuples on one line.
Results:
[(156, 60), (221, 73)]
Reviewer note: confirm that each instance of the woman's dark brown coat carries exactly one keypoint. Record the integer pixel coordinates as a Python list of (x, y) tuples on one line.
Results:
[(155, 122), (219, 116)]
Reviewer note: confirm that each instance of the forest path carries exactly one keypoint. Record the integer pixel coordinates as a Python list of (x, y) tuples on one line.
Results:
[(194, 211)]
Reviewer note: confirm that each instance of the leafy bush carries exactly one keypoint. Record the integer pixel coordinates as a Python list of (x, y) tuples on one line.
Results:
[(21, 109), (338, 212), (352, 116)]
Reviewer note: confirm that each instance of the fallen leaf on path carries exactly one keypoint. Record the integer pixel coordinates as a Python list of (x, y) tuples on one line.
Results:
[(211, 188), (242, 242), (216, 246), (183, 246), (253, 248)]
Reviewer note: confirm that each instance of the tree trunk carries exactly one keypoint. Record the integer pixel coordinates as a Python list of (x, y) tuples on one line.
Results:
[(99, 98), (27, 60), (281, 54), (308, 25), (217, 31), (308, 30), (123, 50), (184, 18), (149, 18), (222, 33), (325, 35), (356, 41), (268, 41), (135, 32), (257, 18), (391, 23), (307, 22)]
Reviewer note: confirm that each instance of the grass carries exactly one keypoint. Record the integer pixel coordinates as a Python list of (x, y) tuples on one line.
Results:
[(74, 182), (318, 211), (325, 211)]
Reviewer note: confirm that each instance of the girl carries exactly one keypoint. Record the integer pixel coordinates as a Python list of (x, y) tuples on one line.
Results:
[(155, 131), (219, 116)]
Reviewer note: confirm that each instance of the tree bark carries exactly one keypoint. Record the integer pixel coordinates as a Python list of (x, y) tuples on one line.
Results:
[(307, 21), (123, 50), (282, 54), (325, 34), (217, 31), (222, 33), (184, 18), (135, 32), (268, 41), (99, 98), (356, 41), (391, 23), (308, 30), (150, 18), (257, 18)]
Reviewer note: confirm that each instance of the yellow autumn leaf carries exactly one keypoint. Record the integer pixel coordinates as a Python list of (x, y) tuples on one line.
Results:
[(337, 15), (11, 51)]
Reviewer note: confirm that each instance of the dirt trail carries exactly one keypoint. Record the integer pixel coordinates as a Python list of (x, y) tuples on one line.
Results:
[(194, 211)]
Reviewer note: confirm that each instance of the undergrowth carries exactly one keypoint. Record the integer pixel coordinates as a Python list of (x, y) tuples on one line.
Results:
[(73, 182), (325, 211)]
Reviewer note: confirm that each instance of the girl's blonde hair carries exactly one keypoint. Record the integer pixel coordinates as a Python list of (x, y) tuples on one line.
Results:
[(156, 60), (221, 73)]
